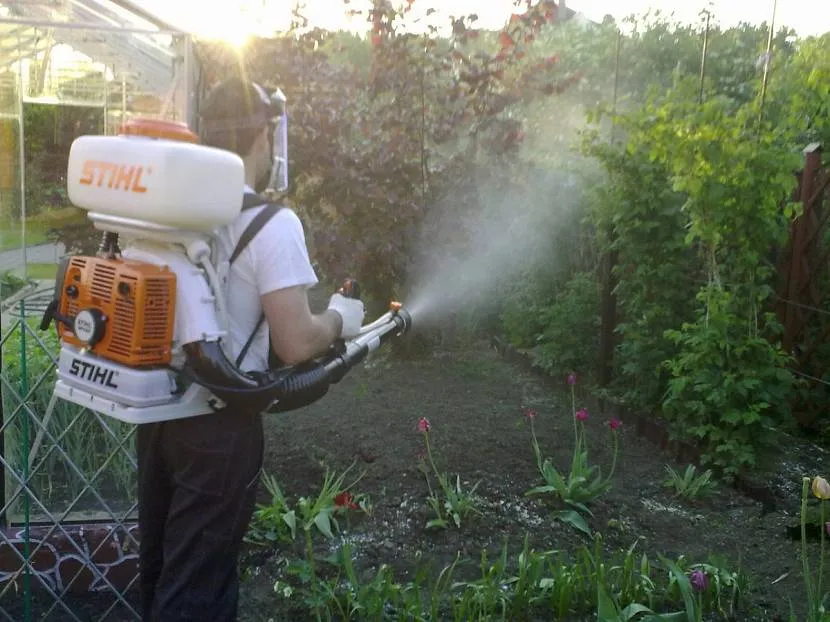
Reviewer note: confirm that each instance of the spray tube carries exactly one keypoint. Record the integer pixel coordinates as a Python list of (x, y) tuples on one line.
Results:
[(289, 388)]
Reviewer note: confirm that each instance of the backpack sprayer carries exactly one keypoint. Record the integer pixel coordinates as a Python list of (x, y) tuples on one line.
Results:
[(141, 329)]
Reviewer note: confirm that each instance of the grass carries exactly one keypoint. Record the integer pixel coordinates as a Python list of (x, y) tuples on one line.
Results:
[(37, 227), (40, 270)]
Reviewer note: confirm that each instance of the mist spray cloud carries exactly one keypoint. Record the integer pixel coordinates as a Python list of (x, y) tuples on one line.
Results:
[(505, 235)]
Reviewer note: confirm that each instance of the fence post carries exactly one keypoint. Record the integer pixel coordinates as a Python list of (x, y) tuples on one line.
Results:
[(799, 268)]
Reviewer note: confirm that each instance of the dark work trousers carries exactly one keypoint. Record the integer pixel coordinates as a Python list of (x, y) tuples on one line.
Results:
[(197, 480)]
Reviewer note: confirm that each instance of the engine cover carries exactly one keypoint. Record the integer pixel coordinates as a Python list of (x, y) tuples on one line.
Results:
[(120, 309), (106, 380)]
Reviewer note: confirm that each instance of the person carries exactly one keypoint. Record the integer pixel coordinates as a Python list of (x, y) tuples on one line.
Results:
[(198, 476)]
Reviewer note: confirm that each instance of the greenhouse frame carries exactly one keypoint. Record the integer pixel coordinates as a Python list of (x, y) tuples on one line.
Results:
[(68, 536)]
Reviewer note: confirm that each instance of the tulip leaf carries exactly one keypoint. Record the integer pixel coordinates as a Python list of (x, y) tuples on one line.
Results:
[(575, 520)]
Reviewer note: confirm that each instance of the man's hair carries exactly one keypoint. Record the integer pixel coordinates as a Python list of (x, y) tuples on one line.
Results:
[(233, 114)]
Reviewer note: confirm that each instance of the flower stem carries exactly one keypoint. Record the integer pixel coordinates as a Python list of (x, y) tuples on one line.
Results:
[(616, 451), (808, 581), (573, 412), (819, 586), (434, 470)]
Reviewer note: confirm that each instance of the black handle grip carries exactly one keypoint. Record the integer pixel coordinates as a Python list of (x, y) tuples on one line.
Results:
[(350, 289)]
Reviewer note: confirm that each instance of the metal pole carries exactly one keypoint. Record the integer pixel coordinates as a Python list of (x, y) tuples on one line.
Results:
[(765, 81), (186, 69), (106, 101), (21, 149), (123, 30), (703, 58), (123, 100), (24, 442), (616, 85)]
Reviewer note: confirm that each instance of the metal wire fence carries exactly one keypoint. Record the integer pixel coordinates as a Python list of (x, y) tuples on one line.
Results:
[(69, 547)]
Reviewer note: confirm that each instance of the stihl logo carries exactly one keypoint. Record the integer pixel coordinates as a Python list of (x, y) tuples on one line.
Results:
[(93, 373), (117, 176)]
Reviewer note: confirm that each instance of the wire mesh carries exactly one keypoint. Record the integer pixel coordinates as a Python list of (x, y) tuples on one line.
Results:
[(63, 465)]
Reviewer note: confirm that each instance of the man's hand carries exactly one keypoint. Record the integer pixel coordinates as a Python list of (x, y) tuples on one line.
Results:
[(352, 312), (297, 335)]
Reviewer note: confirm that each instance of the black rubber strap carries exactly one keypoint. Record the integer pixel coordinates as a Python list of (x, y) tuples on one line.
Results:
[(248, 343), (253, 228), (250, 201)]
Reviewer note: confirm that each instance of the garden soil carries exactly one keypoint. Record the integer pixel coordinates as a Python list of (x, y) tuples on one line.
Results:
[(474, 399)]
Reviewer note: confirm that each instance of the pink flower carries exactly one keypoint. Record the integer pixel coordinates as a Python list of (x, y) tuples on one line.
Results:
[(423, 425), (582, 415), (530, 414), (827, 528), (614, 423), (572, 378)]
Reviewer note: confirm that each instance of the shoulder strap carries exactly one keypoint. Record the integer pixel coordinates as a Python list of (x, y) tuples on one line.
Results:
[(253, 227), (249, 201)]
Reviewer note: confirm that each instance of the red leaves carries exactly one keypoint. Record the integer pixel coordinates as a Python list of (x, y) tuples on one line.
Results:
[(506, 41)]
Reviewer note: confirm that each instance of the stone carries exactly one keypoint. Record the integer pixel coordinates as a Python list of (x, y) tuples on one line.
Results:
[(75, 575), (42, 560)]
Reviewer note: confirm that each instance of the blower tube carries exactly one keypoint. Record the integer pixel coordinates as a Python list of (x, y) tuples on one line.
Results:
[(289, 388)]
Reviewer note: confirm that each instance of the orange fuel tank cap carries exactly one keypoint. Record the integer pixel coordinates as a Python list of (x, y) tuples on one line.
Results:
[(159, 128)]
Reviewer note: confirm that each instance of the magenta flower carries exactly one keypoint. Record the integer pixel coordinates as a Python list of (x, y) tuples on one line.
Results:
[(423, 425), (614, 423), (699, 580), (827, 528), (572, 378), (530, 414), (582, 415)]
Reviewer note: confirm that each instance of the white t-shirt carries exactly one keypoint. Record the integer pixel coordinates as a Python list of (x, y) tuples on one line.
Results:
[(276, 258)]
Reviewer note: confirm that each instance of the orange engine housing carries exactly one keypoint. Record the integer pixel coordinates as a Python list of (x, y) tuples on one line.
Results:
[(137, 299)]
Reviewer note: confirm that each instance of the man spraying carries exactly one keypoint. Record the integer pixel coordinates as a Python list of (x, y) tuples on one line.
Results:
[(198, 475)]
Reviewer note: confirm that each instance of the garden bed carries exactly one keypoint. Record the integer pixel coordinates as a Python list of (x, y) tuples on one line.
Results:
[(475, 401)]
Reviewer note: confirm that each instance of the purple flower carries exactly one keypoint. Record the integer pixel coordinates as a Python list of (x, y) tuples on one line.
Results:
[(572, 378), (827, 528), (699, 580), (582, 415)]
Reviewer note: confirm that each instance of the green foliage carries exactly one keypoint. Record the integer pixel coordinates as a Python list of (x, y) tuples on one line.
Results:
[(690, 485), (818, 601), (569, 336), (728, 389), (10, 283), (449, 501), (529, 585), (584, 482)]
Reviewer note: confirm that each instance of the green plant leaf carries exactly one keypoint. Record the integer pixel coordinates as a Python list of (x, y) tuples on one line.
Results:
[(290, 519), (539, 490), (323, 523), (607, 609), (439, 523), (574, 519)]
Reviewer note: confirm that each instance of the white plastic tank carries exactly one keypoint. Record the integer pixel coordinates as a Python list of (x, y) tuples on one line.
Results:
[(155, 171)]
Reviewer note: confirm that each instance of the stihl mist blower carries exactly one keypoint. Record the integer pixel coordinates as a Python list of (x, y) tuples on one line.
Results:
[(142, 323)]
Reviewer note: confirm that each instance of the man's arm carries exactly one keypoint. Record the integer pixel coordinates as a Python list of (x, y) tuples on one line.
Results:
[(297, 334)]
